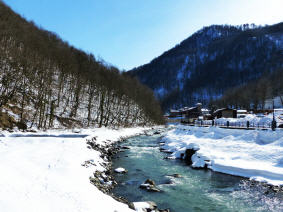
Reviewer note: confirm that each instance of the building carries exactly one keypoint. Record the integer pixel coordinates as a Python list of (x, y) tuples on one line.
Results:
[(225, 113), (191, 114), (241, 113), (175, 113)]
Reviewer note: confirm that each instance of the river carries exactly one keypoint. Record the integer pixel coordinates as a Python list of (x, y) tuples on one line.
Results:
[(196, 190)]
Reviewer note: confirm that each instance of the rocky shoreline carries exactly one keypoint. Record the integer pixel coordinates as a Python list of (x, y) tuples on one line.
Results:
[(105, 180)]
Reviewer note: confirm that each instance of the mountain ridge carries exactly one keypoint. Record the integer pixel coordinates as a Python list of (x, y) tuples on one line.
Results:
[(187, 73)]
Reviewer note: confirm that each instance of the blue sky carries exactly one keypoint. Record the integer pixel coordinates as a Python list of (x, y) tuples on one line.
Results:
[(129, 33)]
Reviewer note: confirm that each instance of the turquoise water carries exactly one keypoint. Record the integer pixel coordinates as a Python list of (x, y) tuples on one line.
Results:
[(197, 190)]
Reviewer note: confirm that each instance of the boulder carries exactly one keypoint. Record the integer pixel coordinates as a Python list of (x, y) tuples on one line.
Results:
[(152, 205), (145, 206), (276, 189), (121, 170), (148, 207), (150, 188), (175, 175), (150, 182), (188, 156)]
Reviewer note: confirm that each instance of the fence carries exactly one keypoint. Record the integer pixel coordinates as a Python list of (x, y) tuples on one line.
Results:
[(234, 124)]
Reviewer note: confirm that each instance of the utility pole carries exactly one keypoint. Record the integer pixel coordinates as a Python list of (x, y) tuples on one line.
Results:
[(273, 123)]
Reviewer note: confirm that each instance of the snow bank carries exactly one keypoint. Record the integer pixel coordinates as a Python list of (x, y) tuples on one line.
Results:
[(256, 154), (46, 173)]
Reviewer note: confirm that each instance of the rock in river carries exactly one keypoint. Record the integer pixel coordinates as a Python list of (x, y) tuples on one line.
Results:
[(121, 170), (149, 181), (175, 175), (149, 185)]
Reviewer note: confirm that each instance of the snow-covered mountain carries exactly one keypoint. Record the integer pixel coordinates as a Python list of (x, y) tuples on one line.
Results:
[(212, 60)]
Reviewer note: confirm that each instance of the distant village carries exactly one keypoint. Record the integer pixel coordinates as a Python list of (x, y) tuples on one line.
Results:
[(198, 114), (191, 114)]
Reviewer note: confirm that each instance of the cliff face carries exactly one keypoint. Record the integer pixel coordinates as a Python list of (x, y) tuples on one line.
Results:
[(214, 59)]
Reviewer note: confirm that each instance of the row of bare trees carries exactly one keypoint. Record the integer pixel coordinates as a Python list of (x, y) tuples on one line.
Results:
[(54, 83)]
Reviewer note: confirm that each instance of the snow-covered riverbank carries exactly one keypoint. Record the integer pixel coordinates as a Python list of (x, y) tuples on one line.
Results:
[(255, 154), (46, 174)]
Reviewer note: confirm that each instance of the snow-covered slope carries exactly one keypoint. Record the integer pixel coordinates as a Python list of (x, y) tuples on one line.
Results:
[(46, 173), (255, 154), (46, 83)]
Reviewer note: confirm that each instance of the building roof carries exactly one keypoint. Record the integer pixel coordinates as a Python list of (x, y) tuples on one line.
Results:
[(222, 109), (204, 110), (188, 109), (242, 111)]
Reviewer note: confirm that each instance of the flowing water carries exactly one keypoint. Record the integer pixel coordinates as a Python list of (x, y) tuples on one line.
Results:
[(196, 190)]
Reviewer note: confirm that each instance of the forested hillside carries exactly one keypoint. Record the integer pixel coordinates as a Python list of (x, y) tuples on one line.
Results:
[(211, 62), (253, 95), (46, 83)]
